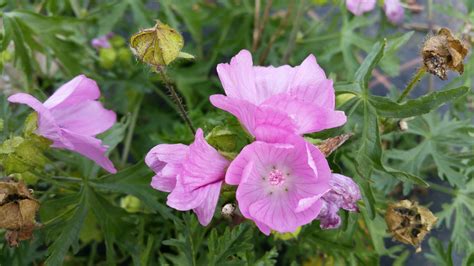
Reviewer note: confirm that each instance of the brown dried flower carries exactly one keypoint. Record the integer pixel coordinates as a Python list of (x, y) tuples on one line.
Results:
[(442, 52), (408, 222), (328, 146), (17, 211)]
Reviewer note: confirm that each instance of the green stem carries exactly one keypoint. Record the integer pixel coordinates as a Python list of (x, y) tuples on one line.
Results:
[(442, 189), (176, 98), (128, 139), (418, 76)]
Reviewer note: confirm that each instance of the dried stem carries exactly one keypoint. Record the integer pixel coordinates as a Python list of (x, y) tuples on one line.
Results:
[(294, 32), (418, 76), (256, 25), (176, 99)]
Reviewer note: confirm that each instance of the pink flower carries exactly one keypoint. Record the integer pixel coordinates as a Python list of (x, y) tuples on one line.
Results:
[(72, 117), (276, 101), (358, 7), (193, 174), (394, 11), (344, 194), (102, 41), (280, 185)]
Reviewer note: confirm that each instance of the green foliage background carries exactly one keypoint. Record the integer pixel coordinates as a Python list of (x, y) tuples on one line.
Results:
[(85, 215)]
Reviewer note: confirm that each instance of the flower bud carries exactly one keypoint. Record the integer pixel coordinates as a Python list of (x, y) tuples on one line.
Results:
[(107, 57), (130, 203), (442, 52)]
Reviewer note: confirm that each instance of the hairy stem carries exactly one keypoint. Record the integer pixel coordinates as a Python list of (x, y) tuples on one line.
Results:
[(418, 76), (176, 99)]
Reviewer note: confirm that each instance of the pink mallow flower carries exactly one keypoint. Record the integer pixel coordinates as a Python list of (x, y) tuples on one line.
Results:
[(394, 11), (193, 174), (280, 185), (358, 7), (277, 101), (72, 117), (102, 41), (344, 194)]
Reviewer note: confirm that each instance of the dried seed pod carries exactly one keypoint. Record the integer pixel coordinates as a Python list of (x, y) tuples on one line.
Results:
[(408, 222), (18, 210), (157, 46), (442, 52), (328, 146)]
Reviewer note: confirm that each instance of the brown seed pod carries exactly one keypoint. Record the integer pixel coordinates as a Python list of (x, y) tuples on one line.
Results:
[(17, 211), (442, 52), (408, 222), (328, 146)]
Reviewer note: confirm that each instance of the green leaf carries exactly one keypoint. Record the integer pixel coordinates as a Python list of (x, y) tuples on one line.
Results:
[(135, 181), (440, 255), (422, 105), (364, 72), (70, 230), (231, 242)]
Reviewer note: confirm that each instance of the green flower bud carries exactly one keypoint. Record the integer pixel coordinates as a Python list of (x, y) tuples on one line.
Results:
[(117, 41), (130, 203), (107, 57), (124, 55)]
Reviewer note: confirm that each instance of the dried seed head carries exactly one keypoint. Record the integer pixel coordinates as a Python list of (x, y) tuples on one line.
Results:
[(328, 146), (157, 46), (18, 210), (408, 222), (442, 52)]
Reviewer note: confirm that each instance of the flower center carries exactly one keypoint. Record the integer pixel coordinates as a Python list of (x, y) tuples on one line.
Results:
[(276, 177)]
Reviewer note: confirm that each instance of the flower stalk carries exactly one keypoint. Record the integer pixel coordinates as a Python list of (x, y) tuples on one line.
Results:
[(418, 76)]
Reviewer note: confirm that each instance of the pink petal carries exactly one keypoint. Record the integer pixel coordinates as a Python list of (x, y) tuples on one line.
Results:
[(75, 91), (203, 164), (86, 118), (271, 80), (263, 228), (265, 123), (306, 116), (47, 126), (237, 78), (358, 7), (308, 73), (90, 147), (184, 198), (161, 154), (206, 210), (394, 11), (165, 179), (320, 94)]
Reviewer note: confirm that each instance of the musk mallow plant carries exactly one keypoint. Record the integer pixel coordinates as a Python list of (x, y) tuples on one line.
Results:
[(283, 181)]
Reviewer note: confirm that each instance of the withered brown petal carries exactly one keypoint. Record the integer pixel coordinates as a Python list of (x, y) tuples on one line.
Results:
[(443, 51), (328, 146)]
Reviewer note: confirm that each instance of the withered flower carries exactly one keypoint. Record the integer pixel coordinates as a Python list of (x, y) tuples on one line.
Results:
[(17, 211), (328, 146), (442, 52), (158, 46), (408, 222)]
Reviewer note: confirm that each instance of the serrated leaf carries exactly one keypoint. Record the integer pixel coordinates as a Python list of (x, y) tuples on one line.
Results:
[(364, 72), (416, 107), (228, 244)]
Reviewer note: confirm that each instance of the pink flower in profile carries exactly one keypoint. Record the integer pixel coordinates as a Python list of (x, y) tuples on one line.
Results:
[(394, 11), (272, 102), (358, 7), (280, 185), (72, 117), (344, 194), (193, 174)]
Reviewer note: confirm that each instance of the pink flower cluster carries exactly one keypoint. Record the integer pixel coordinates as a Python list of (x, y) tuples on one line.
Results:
[(393, 8), (283, 181)]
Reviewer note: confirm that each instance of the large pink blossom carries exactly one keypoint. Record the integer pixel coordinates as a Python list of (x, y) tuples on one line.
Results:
[(344, 194), (358, 7), (280, 185), (193, 174), (272, 102), (72, 117), (394, 11)]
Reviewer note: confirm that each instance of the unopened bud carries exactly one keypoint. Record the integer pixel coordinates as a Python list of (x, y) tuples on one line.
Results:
[(403, 125), (228, 210)]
